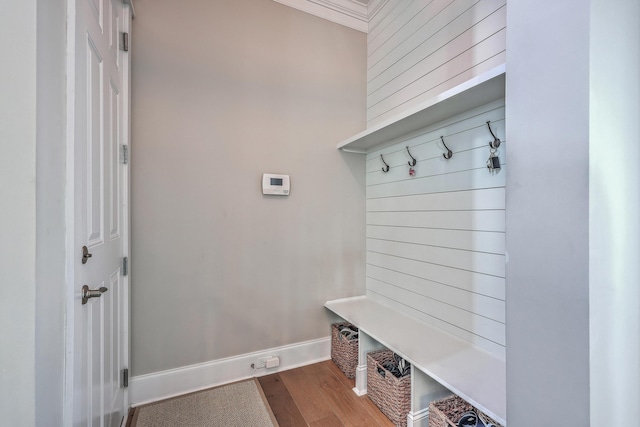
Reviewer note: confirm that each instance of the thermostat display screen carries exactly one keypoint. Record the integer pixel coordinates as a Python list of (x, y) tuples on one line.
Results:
[(275, 184)]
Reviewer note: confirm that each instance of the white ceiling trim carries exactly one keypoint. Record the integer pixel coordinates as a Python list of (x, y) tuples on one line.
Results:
[(374, 7), (350, 13)]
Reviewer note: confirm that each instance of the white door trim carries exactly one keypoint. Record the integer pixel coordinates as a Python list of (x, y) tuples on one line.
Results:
[(128, 15), (69, 216)]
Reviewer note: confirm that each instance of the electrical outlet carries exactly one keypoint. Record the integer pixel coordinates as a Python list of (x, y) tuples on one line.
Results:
[(260, 363), (273, 362)]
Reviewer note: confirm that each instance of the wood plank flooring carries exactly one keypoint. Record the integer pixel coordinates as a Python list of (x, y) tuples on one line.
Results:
[(319, 395)]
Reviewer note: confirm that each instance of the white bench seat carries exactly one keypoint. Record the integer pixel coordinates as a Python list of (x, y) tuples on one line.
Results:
[(472, 373)]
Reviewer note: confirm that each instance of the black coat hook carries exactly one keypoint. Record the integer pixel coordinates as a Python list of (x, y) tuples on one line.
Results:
[(449, 153), (496, 141), (385, 170), (413, 160)]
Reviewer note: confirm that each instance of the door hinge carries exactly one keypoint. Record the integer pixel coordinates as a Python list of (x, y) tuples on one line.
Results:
[(125, 266), (125, 154), (125, 378), (125, 42)]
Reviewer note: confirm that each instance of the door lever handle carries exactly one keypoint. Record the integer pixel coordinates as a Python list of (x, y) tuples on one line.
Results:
[(91, 293)]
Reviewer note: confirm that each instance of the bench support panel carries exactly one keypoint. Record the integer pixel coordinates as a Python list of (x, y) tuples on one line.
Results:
[(366, 344)]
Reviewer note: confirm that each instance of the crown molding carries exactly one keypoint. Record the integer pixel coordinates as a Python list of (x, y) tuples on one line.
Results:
[(374, 7), (350, 13)]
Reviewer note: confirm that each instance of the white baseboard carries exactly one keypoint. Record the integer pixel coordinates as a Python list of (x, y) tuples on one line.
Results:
[(174, 382), (359, 392), (418, 419)]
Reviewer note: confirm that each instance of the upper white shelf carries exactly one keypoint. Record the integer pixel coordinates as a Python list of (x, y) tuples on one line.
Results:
[(472, 373), (473, 93)]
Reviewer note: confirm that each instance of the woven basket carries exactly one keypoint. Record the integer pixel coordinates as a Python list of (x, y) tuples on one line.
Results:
[(447, 412), (344, 352), (391, 394)]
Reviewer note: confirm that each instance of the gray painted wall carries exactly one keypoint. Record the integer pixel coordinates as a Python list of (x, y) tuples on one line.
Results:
[(223, 92), (573, 237), (614, 193), (32, 177), (548, 213), (50, 212), (18, 214)]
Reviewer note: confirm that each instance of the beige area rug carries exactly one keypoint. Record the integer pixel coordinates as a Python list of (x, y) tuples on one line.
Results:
[(240, 404)]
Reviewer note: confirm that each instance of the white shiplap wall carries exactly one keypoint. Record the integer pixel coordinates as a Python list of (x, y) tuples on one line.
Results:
[(420, 48), (436, 241)]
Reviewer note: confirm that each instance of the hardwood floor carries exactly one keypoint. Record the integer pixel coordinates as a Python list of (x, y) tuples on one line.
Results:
[(319, 395)]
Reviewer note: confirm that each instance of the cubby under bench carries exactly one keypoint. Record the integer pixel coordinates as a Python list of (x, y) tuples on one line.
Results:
[(442, 363)]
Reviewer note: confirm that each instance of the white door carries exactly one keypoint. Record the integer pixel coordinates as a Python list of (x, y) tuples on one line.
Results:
[(98, 127)]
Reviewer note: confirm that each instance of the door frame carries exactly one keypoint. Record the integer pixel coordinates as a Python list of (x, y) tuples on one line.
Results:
[(71, 288)]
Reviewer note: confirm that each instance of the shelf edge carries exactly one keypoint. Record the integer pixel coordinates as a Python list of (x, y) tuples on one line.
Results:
[(422, 108)]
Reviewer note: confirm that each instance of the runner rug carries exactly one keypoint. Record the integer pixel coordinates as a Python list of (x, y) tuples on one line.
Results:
[(240, 404)]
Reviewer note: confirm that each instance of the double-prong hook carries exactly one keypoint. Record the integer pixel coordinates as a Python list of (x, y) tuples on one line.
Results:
[(449, 153), (385, 169), (413, 160), (496, 141)]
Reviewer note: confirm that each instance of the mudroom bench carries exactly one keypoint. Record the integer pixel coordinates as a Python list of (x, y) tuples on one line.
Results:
[(442, 363)]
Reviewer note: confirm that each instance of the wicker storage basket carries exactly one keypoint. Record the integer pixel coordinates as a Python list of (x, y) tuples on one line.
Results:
[(447, 412), (344, 352), (390, 393)]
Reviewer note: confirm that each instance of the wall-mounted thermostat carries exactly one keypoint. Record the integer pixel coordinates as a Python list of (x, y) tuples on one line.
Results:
[(277, 185)]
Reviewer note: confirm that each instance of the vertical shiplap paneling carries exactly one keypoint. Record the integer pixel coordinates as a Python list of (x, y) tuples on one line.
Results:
[(436, 240), (421, 48)]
